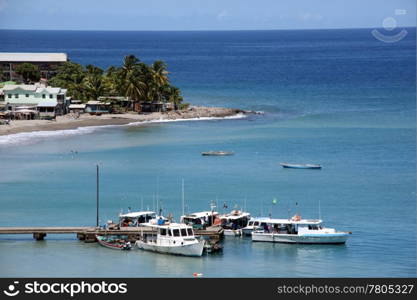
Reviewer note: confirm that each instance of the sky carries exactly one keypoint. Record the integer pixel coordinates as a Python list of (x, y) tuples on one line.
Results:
[(203, 15)]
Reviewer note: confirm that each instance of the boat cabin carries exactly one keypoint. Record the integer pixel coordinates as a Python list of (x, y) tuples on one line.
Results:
[(169, 233), (235, 220), (135, 219), (200, 220), (290, 226)]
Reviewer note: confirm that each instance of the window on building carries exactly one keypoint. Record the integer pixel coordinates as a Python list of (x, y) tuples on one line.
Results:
[(27, 95), (16, 96), (9, 95), (51, 96), (43, 96)]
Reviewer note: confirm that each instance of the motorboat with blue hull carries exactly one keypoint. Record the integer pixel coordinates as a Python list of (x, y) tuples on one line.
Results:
[(301, 166), (299, 231)]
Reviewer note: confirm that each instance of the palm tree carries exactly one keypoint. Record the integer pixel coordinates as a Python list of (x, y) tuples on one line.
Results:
[(159, 77)]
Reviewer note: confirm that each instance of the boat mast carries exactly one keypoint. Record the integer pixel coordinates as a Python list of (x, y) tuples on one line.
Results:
[(183, 197), (97, 195), (319, 210)]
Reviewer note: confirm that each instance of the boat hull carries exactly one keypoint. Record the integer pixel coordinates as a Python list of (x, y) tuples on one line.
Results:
[(193, 249), (113, 245), (334, 238), (247, 231), (231, 232), (290, 166)]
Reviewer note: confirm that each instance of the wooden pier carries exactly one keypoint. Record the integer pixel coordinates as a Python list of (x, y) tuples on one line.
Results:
[(88, 234)]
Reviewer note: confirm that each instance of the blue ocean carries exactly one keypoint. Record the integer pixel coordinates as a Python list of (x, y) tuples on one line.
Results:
[(340, 98)]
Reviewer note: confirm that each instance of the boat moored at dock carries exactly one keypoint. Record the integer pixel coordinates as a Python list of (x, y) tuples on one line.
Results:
[(254, 224), (138, 218), (200, 220), (299, 231), (233, 222), (116, 242), (174, 238)]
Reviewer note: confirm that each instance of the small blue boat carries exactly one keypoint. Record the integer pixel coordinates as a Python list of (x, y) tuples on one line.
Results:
[(300, 166)]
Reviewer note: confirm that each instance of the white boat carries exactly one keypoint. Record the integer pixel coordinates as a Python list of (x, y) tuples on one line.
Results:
[(200, 220), (299, 231), (234, 222), (301, 166), (254, 224), (138, 218), (172, 238)]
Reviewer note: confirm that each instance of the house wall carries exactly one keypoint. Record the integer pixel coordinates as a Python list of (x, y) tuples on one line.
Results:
[(20, 96)]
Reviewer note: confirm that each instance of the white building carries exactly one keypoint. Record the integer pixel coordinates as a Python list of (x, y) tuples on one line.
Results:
[(32, 95)]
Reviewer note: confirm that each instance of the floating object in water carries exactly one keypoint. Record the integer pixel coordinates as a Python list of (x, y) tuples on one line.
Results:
[(300, 166), (197, 274), (171, 238), (114, 242), (217, 153), (298, 231)]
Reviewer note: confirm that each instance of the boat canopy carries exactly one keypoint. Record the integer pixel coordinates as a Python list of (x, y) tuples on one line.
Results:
[(235, 215), (137, 214), (199, 215), (290, 221), (169, 225)]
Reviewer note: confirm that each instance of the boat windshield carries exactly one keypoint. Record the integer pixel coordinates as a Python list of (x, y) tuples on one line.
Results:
[(183, 232), (176, 232), (190, 232)]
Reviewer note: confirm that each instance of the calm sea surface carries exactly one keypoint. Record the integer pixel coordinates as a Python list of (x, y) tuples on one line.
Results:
[(336, 97)]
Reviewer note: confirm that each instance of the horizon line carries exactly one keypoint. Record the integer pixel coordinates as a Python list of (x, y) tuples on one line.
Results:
[(195, 30)]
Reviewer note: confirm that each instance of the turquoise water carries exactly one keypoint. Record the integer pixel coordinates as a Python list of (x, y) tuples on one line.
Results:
[(338, 98)]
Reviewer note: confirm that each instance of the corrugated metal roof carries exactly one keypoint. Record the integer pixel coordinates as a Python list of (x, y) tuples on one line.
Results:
[(33, 57)]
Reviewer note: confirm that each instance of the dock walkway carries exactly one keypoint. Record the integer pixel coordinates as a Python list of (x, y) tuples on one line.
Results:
[(88, 234)]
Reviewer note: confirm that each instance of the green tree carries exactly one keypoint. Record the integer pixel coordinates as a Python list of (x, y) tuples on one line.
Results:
[(159, 78), (29, 72), (70, 76), (93, 83)]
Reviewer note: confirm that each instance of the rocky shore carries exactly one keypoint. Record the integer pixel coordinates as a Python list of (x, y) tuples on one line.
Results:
[(72, 122)]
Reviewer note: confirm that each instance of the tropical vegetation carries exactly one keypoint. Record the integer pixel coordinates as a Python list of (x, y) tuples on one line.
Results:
[(29, 72), (135, 80)]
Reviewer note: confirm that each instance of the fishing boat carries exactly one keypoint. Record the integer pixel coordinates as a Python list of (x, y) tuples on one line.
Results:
[(254, 224), (217, 153), (233, 222), (200, 220), (138, 218), (300, 166), (299, 231), (171, 238), (116, 242)]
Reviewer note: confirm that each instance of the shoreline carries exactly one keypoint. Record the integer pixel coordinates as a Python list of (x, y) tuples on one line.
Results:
[(68, 122)]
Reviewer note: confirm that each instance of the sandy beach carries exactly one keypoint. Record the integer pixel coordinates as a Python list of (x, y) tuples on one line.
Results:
[(71, 122)]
